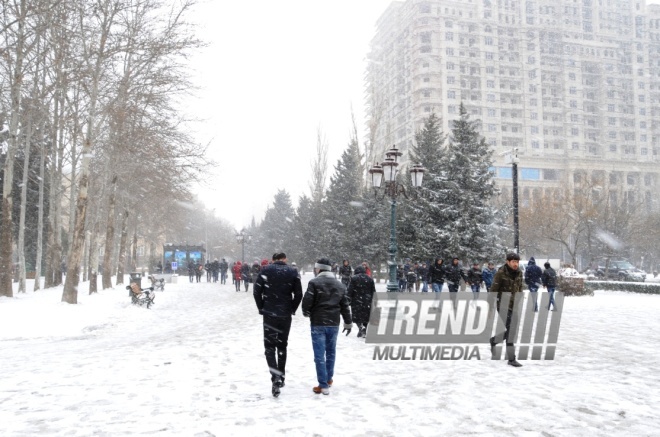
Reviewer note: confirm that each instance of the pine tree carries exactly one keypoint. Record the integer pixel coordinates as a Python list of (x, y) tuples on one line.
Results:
[(276, 229), (468, 190), (423, 225), (342, 205)]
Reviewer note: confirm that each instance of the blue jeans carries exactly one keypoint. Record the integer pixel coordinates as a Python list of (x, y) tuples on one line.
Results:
[(551, 290), (475, 288), (324, 342), (425, 286), (533, 294), (437, 286)]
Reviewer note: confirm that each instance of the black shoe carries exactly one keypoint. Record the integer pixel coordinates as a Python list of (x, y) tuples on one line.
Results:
[(514, 363), (276, 389), (492, 350)]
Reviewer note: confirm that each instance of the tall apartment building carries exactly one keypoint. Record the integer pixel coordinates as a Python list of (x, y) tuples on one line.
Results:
[(573, 84)]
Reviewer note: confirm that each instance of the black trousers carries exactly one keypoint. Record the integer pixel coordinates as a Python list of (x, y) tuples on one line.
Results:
[(276, 339), (510, 348)]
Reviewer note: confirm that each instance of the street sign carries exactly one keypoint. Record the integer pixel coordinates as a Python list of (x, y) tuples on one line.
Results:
[(175, 265)]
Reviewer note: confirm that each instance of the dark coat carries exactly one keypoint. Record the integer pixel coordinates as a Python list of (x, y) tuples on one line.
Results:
[(437, 272), (454, 273), (360, 292), (507, 281), (549, 278), (325, 299), (474, 276), (345, 271), (533, 274), (277, 290), (423, 273)]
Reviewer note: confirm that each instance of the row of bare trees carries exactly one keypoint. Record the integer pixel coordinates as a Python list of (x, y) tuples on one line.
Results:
[(88, 107), (593, 221)]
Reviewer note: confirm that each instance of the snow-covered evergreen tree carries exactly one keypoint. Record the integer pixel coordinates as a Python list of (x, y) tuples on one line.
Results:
[(275, 230), (422, 224), (467, 193), (341, 207)]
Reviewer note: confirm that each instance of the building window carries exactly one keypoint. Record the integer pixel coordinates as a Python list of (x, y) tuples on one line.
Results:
[(451, 109), (575, 146), (550, 174), (449, 51), (612, 147), (531, 174), (644, 151), (504, 172), (451, 94), (535, 144)]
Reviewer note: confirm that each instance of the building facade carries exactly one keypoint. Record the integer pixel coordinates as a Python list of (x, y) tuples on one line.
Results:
[(574, 85)]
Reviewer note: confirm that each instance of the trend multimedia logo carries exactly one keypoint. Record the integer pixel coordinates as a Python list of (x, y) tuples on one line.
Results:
[(452, 326)]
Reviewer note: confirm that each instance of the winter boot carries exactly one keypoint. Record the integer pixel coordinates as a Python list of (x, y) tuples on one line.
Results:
[(276, 388), (319, 390), (514, 363)]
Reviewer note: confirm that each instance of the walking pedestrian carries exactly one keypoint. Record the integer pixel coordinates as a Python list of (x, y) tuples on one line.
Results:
[(488, 274), (533, 275), (345, 273), (277, 293), (474, 279), (454, 274), (361, 292), (437, 275), (549, 280), (508, 279), (324, 301)]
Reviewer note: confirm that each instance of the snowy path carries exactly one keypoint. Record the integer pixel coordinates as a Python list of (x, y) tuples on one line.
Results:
[(193, 365)]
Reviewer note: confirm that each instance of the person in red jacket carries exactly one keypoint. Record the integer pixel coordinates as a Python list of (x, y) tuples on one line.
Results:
[(236, 271)]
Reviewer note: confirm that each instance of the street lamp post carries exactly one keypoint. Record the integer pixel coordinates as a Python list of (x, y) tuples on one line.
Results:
[(388, 170), (512, 158), (242, 237)]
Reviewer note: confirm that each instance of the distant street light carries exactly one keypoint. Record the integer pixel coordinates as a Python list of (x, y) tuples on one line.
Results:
[(388, 170), (242, 237)]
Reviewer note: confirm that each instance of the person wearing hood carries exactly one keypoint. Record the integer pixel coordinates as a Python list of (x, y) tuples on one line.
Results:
[(549, 280), (361, 292), (324, 301), (533, 274), (345, 272)]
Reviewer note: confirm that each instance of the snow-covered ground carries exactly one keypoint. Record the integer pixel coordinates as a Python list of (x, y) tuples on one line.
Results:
[(193, 365)]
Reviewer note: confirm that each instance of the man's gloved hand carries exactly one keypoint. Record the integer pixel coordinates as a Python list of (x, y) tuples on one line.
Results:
[(347, 328)]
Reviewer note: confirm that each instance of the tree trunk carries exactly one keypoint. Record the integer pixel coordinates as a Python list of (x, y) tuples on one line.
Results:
[(6, 224), (122, 248), (21, 227), (40, 226), (94, 259), (106, 279)]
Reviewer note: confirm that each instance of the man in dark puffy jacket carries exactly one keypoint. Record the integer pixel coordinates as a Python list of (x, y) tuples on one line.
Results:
[(223, 267), (324, 301), (361, 292), (474, 278), (454, 274), (277, 293), (549, 280), (533, 275), (423, 276), (437, 275), (508, 279)]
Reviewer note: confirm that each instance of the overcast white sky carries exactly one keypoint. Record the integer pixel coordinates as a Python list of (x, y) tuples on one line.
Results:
[(274, 72)]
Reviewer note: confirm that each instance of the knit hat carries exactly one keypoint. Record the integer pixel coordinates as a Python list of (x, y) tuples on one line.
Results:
[(323, 264)]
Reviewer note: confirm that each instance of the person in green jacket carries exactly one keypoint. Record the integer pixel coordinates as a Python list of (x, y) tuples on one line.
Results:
[(508, 279)]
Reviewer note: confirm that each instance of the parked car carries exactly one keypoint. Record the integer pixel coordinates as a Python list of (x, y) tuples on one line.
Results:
[(620, 271)]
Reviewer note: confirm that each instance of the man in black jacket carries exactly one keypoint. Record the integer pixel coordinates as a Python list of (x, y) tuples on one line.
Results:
[(325, 299), (437, 275), (277, 292), (454, 274), (549, 279)]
